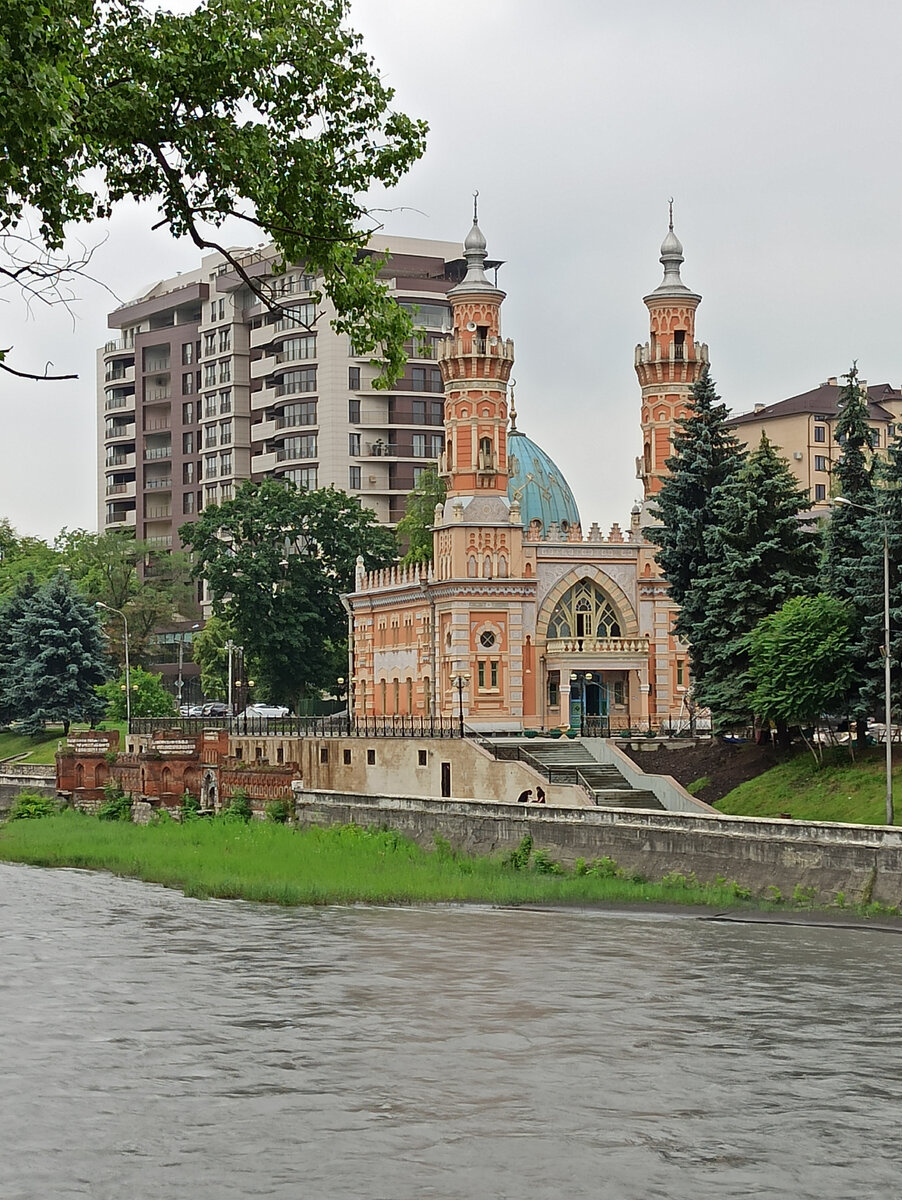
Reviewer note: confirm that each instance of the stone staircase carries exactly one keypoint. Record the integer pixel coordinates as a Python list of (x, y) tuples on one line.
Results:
[(563, 759)]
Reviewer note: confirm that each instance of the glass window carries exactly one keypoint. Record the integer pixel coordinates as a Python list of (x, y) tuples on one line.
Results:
[(436, 445), (210, 466), (417, 473), (303, 380), (225, 340), (210, 375), (210, 436), (225, 463), (225, 401), (225, 432), (303, 413), (209, 344), (225, 370), (299, 315), (820, 433), (303, 446), (187, 383), (354, 444), (354, 379), (302, 477), (820, 491), (188, 502), (188, 472), (187, 443), (187, 354), (210, 405), (419, 445), (297, 347), (820, 462), (354, 478), (436, 412), (354, 411), (419, 412), (188, 413), (434, 316)]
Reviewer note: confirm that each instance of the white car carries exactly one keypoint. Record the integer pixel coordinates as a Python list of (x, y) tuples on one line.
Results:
[(266, 710)]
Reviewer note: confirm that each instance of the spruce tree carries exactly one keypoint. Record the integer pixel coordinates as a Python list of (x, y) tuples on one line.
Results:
[(849, 540), (12, 608), (706, 454), (57, 658), (758, 556), (887, 517)]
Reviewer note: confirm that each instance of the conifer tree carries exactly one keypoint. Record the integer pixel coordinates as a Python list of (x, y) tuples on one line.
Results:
[(706, 454), (758, 556), (12, 608), (850, 539), (57, 658), (887, 518)]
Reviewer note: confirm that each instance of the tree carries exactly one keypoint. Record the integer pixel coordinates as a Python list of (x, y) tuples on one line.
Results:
[(149, 697), (126, 575), (277, 560), (850, 538), (23, 558), (415, 527), (211, 654), (12, 607), (886, 517), (758, 555), (799, 662), (264, 110), (705, 455), (57, 659)]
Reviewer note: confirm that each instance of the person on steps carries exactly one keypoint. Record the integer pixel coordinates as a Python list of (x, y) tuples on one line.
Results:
[(523, 798), (540, 795)]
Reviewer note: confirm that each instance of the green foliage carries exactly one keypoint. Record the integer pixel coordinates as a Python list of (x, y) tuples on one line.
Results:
[(758, 555), (415, 527), (278, 811), (277, 560), (699, 785), (518, 860), (190, 806), (117, 805), (30, 805), (24, 561), (800, 662), (53, 659), (239, 808), (149, 696), (268, 110), (210, 652)]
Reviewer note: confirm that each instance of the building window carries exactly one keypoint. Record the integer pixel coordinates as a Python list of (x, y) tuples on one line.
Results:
[(303, 446), (187, 383), (371, 757), (209, 436), (324, 754), (187, 443), (210, 466), (820, 491), (303, 380), (354, 412), (188, 413), (354, 478), (225, 463), (820, 462), (346, 757), (298, 414), (302, 477), (419, 445), (354, 379), (298, 315), (436, 445), (225, 340), (210, 375), (188, 472), (225, 371), (225, 433), (188, 502), (187, 354), (820, 433), (225, 401), (618, 685), (426, 379), (209, 344), (554, 689), (297, 348), (487, 639), (210, 405), (353, 444), (211, 495), (418, 473), (681, 673)]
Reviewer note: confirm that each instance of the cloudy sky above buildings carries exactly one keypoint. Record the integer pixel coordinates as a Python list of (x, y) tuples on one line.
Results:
[(775, 127)]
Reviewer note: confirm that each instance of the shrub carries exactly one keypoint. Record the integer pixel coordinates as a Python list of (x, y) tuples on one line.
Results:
[(278, 811), (118, 804), (30, 806), (190, 807), (544, 864), (239, 807), (518, 860)]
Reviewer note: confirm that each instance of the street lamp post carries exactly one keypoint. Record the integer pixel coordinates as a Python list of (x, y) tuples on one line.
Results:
[(181, 683), (887, 665), (459, 681), (128, 676), (230, 646)]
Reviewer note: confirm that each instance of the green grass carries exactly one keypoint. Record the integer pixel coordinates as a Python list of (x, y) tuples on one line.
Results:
[(840, 790), (42, 749), (274, 864)]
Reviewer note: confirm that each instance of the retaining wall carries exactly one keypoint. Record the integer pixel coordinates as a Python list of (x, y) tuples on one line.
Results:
[(864, 862), (16, 776)]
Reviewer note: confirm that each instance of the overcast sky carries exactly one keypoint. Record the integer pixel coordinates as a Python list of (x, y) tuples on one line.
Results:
[(775, 126)]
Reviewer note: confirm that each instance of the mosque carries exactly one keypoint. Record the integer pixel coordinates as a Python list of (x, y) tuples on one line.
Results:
[(526, 619)]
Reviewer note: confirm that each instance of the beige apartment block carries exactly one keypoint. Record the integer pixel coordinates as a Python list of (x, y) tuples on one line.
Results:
[(803, 428), (203, 387)]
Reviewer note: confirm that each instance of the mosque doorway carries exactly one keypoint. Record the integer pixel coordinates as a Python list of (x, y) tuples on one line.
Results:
[(588, 700)]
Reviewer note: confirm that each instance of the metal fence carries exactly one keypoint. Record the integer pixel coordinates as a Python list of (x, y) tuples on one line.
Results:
[(335, 726)]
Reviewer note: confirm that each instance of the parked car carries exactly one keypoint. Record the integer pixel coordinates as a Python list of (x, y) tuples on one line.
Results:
[(215, 708), (191, 710), (266, 710)]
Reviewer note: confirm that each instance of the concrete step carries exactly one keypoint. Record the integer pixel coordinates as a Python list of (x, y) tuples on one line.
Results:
[(632, 798)]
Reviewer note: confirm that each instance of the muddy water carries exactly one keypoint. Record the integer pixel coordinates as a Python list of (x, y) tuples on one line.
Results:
[(154, 1046)]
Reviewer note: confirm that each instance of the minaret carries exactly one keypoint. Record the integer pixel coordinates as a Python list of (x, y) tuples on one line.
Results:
[(668, 364), (475, 363)]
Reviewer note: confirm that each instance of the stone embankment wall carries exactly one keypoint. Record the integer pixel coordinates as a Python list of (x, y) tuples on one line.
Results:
[(864, 862), (16, 777)]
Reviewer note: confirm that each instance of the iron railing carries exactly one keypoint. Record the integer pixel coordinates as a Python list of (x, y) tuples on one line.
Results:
[(338, 725)]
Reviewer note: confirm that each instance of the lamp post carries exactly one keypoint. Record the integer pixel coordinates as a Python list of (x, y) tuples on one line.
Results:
[(180, 683), (128, 675), (460, 681), (230, 646), (887, 695)]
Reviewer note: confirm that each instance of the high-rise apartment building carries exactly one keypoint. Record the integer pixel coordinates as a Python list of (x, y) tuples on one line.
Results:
[(204, 387)]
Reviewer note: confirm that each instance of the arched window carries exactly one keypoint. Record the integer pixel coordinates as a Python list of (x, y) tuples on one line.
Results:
[(485, 454), (79, 775), (502, 567), (584, 611), (409, 696), (471, 567), (487, 567), (166, 780)]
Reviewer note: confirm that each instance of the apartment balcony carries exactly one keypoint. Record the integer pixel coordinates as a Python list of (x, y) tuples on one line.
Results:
[(265, 398), (161, 485), (263, 431), (284, 421), (118, 433), (126, 519), (117, 372), (261, 367), (162, 542), (124, 461), (152, 453), (284, 454), (604, 649), (262, 336), (156, 366), (158, 514), (264, 463), (120, 346), (115, 402), (127, 490), (153, 395), (155, 424)]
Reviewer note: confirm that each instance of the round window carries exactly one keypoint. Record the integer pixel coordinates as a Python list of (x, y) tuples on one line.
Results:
[(487, 639)]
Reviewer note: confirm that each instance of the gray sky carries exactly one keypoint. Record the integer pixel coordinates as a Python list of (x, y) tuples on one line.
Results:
[(775, 126)]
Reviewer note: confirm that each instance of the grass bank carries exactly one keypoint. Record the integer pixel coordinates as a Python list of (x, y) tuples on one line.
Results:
[(840, 790), (42, 749), (278, 865)]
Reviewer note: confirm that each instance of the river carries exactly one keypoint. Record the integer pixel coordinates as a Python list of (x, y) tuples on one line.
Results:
[(160, 1047)]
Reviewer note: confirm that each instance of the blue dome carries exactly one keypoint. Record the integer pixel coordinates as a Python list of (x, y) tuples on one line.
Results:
[(538, 486)]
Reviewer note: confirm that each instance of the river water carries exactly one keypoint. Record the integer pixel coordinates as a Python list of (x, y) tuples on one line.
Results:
[(155, 1046)]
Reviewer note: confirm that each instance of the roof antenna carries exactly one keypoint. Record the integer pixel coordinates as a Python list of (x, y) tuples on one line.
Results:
[(475, 213), (671, 214)]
